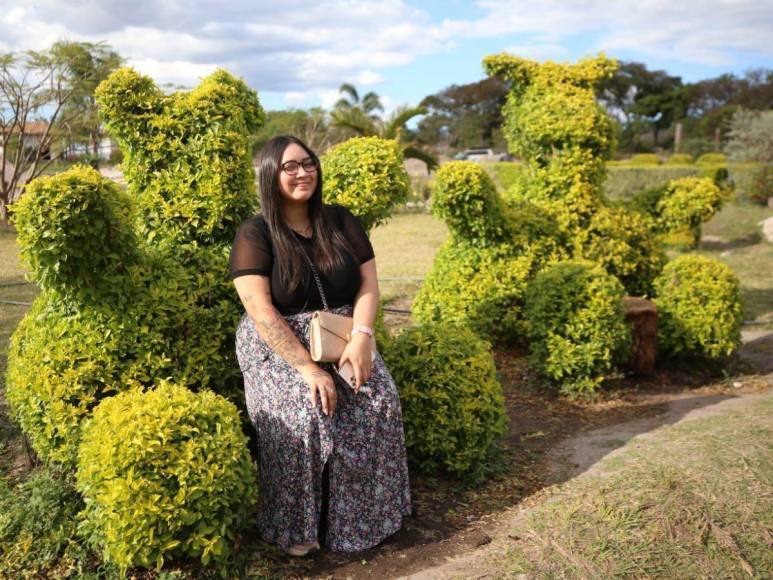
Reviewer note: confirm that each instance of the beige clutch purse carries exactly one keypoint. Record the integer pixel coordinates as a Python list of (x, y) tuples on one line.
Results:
[(329, 334)]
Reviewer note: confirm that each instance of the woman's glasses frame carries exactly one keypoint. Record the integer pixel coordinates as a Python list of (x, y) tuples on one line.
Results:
[(292, 167)]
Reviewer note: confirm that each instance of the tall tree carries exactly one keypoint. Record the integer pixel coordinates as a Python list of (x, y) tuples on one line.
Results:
[(463, 116), (360, 118), (36, 89), (90, 64)]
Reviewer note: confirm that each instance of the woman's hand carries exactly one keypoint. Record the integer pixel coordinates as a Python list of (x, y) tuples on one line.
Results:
[(321, 383), (359, 354)]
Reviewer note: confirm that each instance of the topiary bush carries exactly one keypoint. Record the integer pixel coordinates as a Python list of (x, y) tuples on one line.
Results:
[(367, 175), (135, 286), (645, 159), (165, 473), (686, 204), (712, 159), (576, 326), (452, 403), (480, 274), (482, 288), (623, 242), (700, 310), (679, 209), (680, 159)]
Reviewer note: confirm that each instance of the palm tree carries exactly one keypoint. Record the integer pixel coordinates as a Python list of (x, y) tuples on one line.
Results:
[(359, 115)]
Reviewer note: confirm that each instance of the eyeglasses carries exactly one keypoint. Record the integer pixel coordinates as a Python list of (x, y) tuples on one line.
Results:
[(291, 167)]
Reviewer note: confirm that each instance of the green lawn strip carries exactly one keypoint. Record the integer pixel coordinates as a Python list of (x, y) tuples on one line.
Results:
[(405, 247), (693, 501)]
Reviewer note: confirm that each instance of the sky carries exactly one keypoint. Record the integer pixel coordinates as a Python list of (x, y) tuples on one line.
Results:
[(297, 54)]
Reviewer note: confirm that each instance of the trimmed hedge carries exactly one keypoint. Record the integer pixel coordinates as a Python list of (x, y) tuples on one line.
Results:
[(165, 473), (680, 159), (645, 159), (479, 287), (700, 310), (576, 325), (187, 156), (452, 403), (366, 175), (75, 233), (623, 242)]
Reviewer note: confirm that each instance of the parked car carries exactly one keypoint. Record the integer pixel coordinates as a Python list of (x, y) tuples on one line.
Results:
[(479, 155)]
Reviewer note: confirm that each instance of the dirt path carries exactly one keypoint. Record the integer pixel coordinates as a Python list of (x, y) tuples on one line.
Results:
[(581, 456)]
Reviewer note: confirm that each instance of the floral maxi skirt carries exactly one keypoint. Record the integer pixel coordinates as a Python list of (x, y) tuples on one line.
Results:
[(362, 444)]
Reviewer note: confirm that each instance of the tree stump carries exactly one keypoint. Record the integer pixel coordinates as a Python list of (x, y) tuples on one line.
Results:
[(642, 315)]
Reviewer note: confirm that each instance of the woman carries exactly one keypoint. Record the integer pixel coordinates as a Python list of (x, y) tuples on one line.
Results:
[(309, 421)]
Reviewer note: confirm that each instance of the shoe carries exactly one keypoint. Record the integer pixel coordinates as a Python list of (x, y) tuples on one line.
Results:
[(300, 550)]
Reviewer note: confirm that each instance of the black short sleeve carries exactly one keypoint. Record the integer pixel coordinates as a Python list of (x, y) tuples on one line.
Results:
[(356, 235), (252, 252)]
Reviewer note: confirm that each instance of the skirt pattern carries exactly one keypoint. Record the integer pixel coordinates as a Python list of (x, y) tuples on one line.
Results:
[(363, 445)]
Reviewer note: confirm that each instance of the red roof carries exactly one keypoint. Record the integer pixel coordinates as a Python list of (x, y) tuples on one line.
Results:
[(33, 128)]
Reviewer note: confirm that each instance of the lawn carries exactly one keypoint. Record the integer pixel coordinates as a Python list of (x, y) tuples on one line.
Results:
[(694, 501)]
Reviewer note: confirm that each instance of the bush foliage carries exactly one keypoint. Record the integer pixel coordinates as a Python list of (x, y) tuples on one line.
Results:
[(135, 285), (452, 402), (576, 325), (366, 175), (480, 274), (165, 473), (645, 159), (700, 310)]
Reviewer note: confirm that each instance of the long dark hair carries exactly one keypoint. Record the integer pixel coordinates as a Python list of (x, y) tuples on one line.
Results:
[(329, 243)]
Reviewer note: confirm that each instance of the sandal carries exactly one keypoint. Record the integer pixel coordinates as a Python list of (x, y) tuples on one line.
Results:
[(300, 550)]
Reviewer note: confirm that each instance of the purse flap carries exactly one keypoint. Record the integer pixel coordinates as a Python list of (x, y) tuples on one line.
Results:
[(340, 326)]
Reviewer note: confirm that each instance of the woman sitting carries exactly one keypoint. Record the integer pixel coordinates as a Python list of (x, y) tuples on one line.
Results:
[(320, 440)]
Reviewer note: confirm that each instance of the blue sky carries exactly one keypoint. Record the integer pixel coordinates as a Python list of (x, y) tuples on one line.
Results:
[(297, 54)]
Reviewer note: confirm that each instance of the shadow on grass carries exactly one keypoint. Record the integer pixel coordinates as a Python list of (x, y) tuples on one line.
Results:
[(716, 245)]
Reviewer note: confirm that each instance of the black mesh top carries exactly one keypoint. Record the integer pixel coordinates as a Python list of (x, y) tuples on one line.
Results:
[(252, 253)]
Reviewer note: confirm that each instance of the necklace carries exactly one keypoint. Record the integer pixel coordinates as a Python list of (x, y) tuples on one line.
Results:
[(304, 231)]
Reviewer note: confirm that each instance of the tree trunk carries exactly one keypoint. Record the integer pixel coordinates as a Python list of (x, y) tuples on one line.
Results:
[(677, 137)]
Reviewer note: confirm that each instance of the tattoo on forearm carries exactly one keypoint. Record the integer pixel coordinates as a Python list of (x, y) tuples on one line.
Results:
[(274, 330)]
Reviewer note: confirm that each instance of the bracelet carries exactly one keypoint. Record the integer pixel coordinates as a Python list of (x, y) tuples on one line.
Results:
[(363, 329)]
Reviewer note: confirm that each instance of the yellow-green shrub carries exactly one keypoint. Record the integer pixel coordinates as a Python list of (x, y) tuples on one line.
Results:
[(164, 473), (126, 300), (482, 288), (187, 157), (75, 232), (480, 274), (452, 402), (623, 242), (712, 159), (645, 159), (699, 305), (366, 175), (576, 325), (63, 360), (464, 196), (686, 204), (680, 159)]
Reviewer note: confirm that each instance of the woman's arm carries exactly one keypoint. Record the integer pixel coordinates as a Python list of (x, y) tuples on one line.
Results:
[(358, 351), (255, 294)]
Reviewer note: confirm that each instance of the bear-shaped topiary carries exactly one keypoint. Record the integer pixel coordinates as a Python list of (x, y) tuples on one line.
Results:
[(480, 274), (135, 284), (564, 139)]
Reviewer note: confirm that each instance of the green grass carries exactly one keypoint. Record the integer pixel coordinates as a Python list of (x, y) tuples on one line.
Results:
[(734, 237), (405, 248), (695, 501)]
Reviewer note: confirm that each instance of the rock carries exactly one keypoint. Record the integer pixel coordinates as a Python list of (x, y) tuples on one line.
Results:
[(767, 228), (642, 315)]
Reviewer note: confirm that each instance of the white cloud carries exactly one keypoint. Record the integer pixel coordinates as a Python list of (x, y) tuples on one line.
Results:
[(305, 50)]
